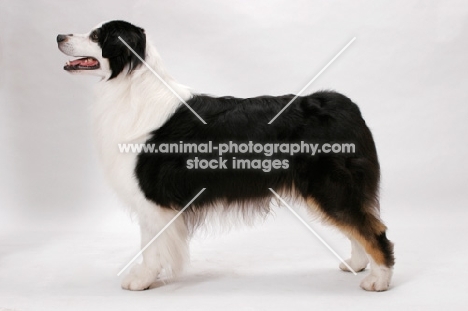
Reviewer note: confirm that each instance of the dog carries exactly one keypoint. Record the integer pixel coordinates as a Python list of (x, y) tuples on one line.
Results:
[(134, 106)]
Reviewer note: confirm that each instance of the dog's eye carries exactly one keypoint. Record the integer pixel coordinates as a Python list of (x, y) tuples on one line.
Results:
[(94, 36)]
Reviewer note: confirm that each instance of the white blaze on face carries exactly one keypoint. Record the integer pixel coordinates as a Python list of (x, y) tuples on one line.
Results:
[(89, 53)]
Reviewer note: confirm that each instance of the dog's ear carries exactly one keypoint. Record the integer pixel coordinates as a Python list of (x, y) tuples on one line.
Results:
[(118, 54)]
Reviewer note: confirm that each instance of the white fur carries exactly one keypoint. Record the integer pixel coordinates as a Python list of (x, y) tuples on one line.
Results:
[(80, 45), (379, 278), (127, 109), (166, 255), (359, 260)]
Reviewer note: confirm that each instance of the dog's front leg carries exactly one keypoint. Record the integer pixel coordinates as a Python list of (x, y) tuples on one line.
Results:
[(167, 254)]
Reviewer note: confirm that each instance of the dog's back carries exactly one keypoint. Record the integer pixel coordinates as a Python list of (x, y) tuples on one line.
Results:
[(340, 184)]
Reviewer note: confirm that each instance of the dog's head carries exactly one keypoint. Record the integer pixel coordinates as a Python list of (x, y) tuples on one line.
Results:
[(101, 52)]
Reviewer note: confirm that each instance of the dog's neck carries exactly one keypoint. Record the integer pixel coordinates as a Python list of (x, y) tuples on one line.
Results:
[(130, 106)]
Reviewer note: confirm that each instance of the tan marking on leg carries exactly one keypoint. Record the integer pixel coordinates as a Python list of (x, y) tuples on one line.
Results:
[(376, 226)]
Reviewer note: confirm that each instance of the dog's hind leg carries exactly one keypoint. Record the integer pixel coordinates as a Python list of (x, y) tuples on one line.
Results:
[(345, 193), (359, 260), (166, 254), (367, 233), (371, 235)]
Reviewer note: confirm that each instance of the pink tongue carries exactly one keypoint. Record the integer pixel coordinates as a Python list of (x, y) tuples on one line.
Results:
[(83, 62)]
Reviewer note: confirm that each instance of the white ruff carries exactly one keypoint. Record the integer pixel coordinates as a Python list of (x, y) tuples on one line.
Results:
[(127, 110)]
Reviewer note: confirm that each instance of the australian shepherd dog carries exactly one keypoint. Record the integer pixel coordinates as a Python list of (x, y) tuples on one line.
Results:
[(139, 103)]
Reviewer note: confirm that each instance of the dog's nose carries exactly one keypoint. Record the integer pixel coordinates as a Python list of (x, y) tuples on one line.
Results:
[(61, 38)]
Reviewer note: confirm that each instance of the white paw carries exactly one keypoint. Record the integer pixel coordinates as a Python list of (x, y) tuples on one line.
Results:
[(357, 266), (139, 278), (377, 281)]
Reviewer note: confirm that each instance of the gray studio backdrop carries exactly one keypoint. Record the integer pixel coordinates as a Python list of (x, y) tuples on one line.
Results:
[(407, 70)]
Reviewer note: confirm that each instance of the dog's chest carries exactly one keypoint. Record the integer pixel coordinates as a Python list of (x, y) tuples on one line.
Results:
[(112, 130)]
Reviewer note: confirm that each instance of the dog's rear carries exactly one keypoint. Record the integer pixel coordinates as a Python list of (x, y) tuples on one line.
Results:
[(341, 187)]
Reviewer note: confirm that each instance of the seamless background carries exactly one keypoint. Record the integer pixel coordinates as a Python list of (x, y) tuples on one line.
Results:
[(64, 236)]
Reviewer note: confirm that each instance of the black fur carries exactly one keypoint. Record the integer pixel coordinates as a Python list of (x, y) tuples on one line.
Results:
[(337, 181), (387, 248), (113, 49), (343, 186)]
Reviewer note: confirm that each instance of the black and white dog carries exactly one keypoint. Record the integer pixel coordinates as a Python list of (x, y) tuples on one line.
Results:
[(133, 106)]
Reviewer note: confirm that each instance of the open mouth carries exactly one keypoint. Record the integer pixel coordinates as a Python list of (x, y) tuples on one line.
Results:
[(84, 63)]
